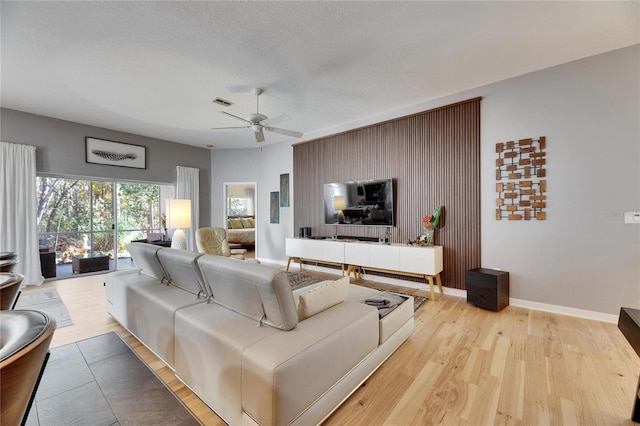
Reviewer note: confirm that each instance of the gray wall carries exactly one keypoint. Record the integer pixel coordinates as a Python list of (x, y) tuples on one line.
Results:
[(273, 161), (61, 150), (227, 166), (262, 165), (583, 256)]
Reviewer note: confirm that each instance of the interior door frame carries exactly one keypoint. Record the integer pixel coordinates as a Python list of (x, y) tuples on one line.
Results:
[(225, 216)]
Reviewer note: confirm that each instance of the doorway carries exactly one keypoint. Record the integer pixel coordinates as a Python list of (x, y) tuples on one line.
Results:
[(240, 214)]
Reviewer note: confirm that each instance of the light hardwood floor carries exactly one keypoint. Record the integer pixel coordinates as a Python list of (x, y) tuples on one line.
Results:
[(461, 366)]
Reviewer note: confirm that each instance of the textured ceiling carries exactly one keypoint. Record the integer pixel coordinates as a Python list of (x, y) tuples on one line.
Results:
[(153, 68)]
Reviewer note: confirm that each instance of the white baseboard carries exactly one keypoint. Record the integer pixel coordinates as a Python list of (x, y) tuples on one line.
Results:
[(536, 306), (564, 310)]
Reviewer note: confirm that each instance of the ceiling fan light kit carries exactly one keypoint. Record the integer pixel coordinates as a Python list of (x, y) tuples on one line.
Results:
[(254, 122)]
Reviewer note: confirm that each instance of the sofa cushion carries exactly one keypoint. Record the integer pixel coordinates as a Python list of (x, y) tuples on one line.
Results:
[(182, 272), (117, 285), (151, 312), (146, 259), (235, 223), (284, 373), (257, 291), (322, 297), (210, 341), (252, 222), (246, 223)]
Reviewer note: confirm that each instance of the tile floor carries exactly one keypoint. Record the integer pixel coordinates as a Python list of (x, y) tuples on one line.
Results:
[(100, 381)]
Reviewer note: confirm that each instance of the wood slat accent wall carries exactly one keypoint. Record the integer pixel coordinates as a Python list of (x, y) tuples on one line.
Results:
[(434, 159)]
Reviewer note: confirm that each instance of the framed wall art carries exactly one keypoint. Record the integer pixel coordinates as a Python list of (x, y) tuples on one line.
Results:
[(274, 212), (100, 151), (284, 190)]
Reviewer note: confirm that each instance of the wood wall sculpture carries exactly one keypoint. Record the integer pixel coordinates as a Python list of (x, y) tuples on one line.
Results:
[(521, 191)]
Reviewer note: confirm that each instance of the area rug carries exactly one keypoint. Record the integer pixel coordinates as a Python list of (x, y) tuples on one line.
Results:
[(101, 381), (46, 300), (299, 280)]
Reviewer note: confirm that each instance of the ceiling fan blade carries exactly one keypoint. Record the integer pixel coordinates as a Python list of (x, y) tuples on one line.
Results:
[(235, 116), (284, 131), (276, 120), (259, 136), (236, 127)]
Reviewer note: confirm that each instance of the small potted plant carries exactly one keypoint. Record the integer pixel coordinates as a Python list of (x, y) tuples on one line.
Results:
[(429, 224)]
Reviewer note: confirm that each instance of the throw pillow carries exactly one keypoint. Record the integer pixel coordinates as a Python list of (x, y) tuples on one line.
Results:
[(246, 223), (235, 223), (321, 298), (252, 221)]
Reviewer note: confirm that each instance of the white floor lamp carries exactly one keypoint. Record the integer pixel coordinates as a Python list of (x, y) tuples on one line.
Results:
[(178, 217)]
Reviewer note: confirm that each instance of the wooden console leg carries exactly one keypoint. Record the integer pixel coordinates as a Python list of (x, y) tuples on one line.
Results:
[(635, 415), (356, 271), (288, 264), (433, 293), (439, 281)]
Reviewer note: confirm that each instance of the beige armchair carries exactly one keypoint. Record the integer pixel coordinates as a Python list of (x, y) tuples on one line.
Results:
[(214, 241)]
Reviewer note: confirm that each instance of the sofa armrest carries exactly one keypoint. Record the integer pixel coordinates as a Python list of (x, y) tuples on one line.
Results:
[(286, 372)]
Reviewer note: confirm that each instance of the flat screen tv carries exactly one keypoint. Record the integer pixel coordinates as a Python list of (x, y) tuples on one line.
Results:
[(364, 202)]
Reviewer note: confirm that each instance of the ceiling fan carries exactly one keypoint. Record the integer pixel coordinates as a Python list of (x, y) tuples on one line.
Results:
[(255, 122)]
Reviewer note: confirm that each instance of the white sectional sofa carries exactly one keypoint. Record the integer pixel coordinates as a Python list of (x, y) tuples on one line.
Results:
[(232, 334)]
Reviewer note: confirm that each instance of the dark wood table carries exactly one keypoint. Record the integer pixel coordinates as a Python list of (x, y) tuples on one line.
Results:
[(629, 324), (162, 243), (89, 263)]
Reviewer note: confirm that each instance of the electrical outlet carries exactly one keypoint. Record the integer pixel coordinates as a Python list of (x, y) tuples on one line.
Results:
[(631, 217)]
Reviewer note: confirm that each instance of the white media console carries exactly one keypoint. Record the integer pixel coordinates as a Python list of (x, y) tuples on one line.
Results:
[(401, 259)]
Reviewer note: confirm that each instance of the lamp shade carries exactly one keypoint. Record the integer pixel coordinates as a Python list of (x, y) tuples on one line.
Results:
[(178, 213), (339, 203)]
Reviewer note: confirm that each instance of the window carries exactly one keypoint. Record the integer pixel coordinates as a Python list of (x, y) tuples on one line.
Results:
[(237, 207), (80, 216), (240, 199)]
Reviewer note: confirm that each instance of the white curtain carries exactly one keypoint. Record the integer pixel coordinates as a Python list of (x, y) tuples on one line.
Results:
[(188, 188), (251, 195), (18, 223)]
